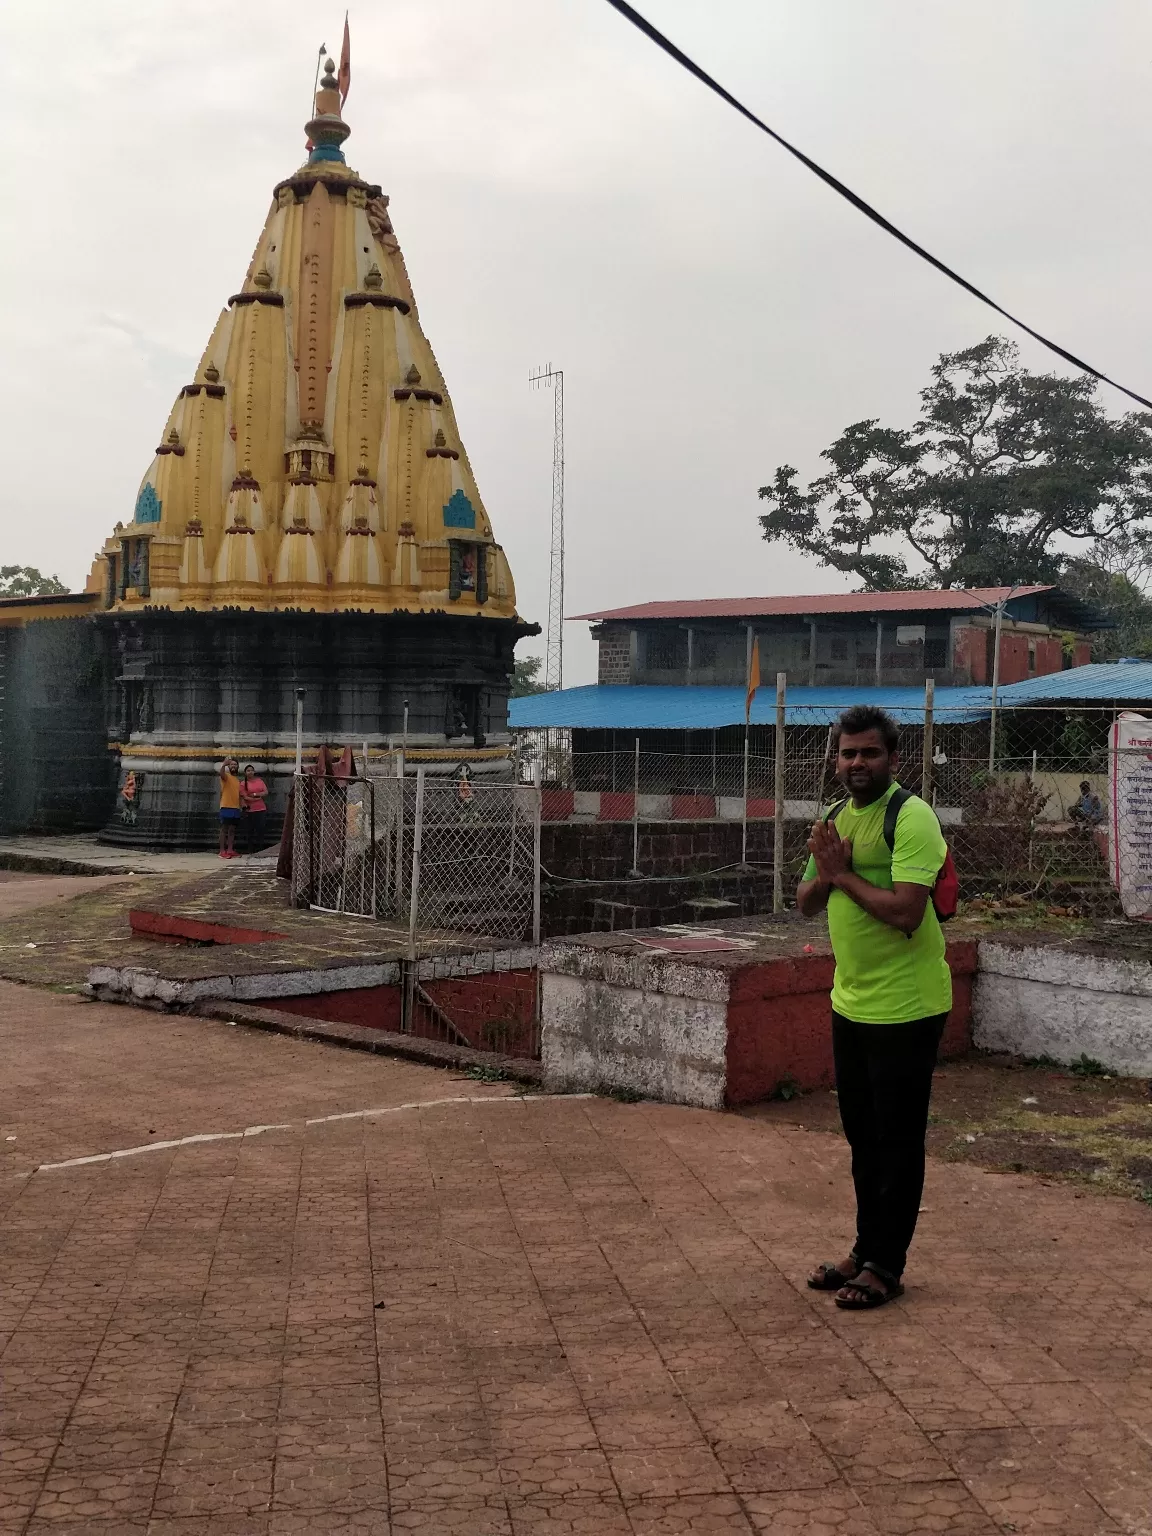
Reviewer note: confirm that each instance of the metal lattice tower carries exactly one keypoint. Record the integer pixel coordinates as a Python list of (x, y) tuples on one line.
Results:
[(553, 378)]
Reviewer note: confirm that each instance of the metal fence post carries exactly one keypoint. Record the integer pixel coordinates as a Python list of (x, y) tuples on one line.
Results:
[(414, 906), (779, 789), (995, 686), (371, 791), (512, 827), (635, 870), (822, 787), (400, 834), (417, 840), (744, 814), (929, 721), (536, 814)]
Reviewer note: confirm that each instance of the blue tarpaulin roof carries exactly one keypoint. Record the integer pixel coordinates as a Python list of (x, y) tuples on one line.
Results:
[(642, 708), (1124, 681)]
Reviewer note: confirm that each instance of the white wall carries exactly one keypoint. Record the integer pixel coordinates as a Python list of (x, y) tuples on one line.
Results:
[(1041, 1000), (599, 1036)]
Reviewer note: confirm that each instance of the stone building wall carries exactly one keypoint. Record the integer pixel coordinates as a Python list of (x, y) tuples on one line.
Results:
[(615, 654), (56, 773)]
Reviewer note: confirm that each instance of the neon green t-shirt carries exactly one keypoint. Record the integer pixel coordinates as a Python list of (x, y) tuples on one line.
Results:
[(884, 976)]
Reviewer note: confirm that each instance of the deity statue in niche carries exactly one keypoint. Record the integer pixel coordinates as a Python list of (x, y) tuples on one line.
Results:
[(468, 569), (130, 797), (136, 564)]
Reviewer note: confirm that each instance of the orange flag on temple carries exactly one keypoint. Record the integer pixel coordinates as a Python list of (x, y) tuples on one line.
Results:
[(753, 680), (344, 77)]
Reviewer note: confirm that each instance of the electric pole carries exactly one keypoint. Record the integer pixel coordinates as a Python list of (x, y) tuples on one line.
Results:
[(553, 378)]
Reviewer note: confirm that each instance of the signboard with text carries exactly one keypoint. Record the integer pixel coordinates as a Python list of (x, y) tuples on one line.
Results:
[(1130, 819)]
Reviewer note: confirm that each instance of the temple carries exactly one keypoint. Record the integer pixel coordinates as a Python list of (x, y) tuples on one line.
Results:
[(309, 521)]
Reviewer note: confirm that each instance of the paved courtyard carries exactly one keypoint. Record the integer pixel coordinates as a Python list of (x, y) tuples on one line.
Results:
[(365, 1296)]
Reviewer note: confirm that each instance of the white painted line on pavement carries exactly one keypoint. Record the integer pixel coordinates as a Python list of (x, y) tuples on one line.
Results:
[(258, 1130)]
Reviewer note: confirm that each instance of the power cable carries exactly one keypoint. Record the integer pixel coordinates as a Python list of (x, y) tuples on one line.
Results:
[(654, 35)]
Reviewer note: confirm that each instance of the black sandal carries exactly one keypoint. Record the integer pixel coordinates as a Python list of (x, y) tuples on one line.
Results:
[(868, 1297), (831, 1277)]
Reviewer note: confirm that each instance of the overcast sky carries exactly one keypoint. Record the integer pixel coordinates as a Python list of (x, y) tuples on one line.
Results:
[(564, 193)]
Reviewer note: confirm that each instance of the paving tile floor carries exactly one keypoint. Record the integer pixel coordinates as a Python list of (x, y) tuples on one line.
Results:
[(498, 1316)]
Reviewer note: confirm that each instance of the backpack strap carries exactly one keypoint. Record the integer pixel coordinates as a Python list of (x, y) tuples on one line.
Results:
[(892, 811), (834, 810)]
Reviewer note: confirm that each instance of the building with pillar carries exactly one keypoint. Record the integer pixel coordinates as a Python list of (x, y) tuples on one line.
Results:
[(669, 725), (309, 521), (848, 639)]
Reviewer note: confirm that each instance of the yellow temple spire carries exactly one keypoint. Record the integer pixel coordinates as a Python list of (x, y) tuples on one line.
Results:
[(314, 460)]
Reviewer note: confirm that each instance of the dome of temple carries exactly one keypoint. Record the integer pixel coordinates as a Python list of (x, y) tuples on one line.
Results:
[(314, 461)]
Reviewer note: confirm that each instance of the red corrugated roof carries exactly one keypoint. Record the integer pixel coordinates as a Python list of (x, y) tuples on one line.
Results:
[(947, 600)]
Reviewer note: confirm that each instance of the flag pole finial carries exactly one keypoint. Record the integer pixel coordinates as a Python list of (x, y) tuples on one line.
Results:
[(327, 129)]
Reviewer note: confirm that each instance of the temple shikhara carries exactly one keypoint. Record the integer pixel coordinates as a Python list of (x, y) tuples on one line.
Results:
[(309, 521)]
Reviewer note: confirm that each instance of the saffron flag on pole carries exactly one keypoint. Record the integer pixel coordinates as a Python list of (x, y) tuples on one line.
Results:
[(344, 76), (753, 680)]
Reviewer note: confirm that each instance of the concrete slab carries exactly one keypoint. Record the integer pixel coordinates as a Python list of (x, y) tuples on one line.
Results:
[(357, 1294), (713, 1014), (22, 892), (81, 854)]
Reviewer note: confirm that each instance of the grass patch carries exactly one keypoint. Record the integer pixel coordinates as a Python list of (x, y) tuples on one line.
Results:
[(1106, 1151), (621, 1095)]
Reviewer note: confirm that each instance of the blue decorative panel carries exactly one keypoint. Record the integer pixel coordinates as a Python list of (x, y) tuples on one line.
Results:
[(459, 513), (147, 505)]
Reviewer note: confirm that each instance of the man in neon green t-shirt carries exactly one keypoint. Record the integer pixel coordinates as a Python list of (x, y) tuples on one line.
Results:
[(890, 996)]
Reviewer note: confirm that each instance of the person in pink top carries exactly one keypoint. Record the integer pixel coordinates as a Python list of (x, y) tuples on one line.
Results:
[(253, 804)]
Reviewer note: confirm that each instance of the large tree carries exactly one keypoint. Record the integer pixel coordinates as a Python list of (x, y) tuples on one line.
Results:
[(525, 679), (1115, 576), (1002, 474), (27, 581)]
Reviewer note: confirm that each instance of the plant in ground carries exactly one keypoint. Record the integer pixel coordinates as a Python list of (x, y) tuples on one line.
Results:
[(1088, 1066), (623, 1095), (486, 1074)]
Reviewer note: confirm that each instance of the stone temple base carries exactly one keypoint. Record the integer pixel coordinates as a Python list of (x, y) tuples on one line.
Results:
[(190, 689)]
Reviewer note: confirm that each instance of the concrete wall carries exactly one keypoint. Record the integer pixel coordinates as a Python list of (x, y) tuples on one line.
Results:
[(659, 1030), (1044, 1000), (697, 1033)]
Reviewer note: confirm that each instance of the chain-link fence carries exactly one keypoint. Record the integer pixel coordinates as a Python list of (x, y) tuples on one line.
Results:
[(437, 856), (451, 870), (1038, 803)]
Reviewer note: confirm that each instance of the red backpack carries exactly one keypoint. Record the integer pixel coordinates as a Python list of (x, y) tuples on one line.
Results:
[(946, 891)]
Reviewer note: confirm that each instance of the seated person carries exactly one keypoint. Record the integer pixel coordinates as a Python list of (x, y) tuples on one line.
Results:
[(1088, 810)]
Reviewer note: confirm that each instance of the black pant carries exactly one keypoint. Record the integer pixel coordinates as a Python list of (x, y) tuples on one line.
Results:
[(253, 826), (884, 1082)]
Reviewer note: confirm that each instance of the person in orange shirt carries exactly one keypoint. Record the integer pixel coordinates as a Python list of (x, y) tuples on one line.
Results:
[(253, 803), (229, 807)]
